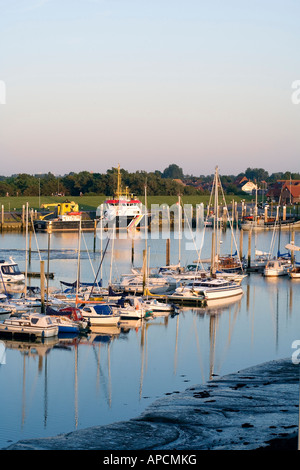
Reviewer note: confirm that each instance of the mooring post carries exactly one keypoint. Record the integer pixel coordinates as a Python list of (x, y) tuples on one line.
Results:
[(42, 283)]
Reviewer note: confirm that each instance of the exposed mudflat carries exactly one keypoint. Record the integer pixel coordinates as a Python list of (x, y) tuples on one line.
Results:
[(256, 408)]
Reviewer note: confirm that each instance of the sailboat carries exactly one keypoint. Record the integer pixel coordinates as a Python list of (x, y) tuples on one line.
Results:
[(280, 265), (210, 286), (294, 271)]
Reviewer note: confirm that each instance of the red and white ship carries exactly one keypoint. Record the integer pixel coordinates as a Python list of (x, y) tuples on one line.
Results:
[(123, 211)]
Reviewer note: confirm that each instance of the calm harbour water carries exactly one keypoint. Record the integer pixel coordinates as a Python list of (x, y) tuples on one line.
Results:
[(61, 386)]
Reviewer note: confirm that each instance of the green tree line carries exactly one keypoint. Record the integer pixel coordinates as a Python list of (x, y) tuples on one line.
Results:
[(168, 182)]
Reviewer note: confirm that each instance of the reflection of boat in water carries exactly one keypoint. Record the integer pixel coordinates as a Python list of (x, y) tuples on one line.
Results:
[(127, 325), (113, 330), (218, 305)]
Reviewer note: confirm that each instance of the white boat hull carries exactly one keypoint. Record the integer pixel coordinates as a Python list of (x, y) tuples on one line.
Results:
[(20, 326), (103, 320)]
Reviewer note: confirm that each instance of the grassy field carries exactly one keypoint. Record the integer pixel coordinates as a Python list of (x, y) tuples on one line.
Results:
[(90, 203)]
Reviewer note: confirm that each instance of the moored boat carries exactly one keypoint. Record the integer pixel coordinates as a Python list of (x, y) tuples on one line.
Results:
[(123, 211), (131, 309), (30, 325), (65, 324), (100, 314), (210, 289), (277, 267), (294, 273), (10, 272)]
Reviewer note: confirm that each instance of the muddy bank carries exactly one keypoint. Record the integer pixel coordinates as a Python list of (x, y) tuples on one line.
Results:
[(256, 408)]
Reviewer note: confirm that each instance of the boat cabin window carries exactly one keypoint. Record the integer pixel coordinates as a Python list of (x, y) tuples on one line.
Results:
[(11, 269), (34, 321), (87, 309)]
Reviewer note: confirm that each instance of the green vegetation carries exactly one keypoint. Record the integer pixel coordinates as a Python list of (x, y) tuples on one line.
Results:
[(90, 189), (90, 203)]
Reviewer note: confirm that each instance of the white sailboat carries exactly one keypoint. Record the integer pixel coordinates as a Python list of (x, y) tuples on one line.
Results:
[(294, 271), (206, 285), (279, 265)]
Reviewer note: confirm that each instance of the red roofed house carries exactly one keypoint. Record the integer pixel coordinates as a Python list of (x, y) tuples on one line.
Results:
[(291, 192)]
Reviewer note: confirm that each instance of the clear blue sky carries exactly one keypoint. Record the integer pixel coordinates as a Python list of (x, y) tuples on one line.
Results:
[(146, 83)]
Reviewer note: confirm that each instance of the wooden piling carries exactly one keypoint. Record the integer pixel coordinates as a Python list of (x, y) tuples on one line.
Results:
[(132, 251), (42, 284), (168, 252), (95, 232), (249, 248), (241, 243)]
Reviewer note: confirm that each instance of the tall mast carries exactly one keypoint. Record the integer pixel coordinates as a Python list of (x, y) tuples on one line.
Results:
[(119, 189), (215, 227)]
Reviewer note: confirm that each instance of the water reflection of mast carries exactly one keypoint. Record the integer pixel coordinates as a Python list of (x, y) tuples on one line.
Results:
[(23, 394), (176, 345), (213, 324), (45, 388), (100, 372), (76, 386), (143, 338)]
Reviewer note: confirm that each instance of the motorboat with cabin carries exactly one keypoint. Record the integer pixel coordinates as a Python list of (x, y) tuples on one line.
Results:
[(29, 325), (210, 288), (277, 267), (10, 272), (100, 315)]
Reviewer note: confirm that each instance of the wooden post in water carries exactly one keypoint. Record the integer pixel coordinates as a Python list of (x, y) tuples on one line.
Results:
[(266, 214), (29, 252), (95, 231), (293, 242), (23, 216), (241, 244), (249, 248), (42, 283), (144, 269), (284, 213), (132, 251), (168, 252)]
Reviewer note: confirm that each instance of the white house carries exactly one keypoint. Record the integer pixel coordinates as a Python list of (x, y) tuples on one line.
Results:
[(249, 187)]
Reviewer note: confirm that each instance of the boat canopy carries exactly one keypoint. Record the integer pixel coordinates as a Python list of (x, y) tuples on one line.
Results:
[(73, 285), (103, 309), (292, 247)]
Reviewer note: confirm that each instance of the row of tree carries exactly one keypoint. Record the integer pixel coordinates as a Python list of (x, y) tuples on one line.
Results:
[(169, 182)]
